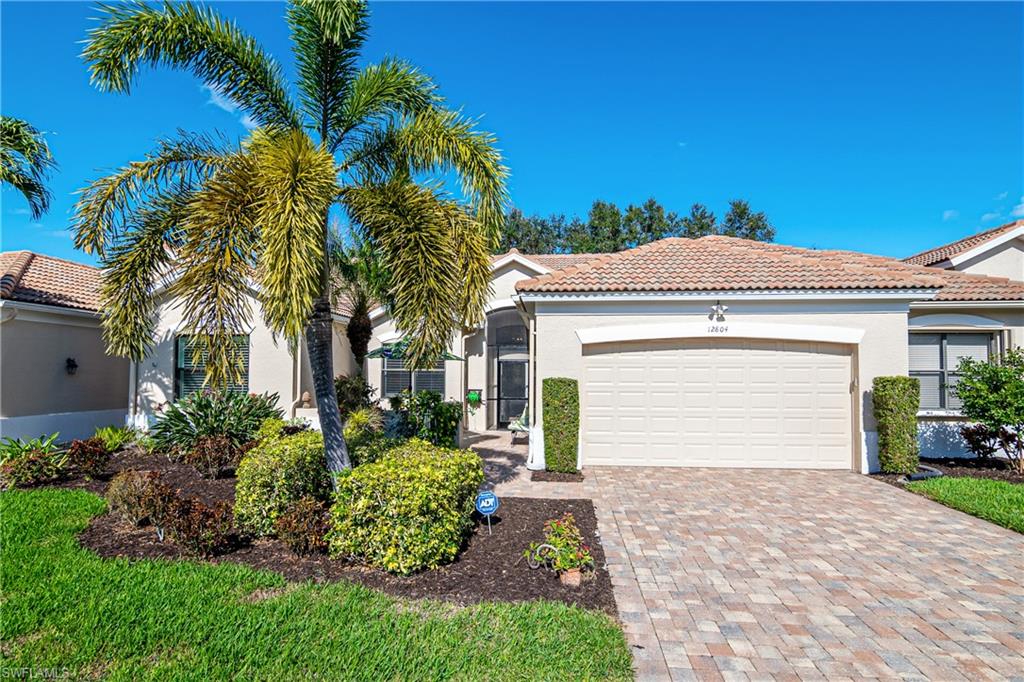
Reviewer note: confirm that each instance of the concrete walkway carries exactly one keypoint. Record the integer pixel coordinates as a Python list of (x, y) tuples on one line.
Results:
[(745, 574)]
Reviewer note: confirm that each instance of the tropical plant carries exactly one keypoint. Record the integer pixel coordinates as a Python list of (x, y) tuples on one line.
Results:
[(33, 468), (211, 455), (127, 495), (431, 418), (992, 394), (115, 437), (563, 548), (87, 457), (237, 416), (363, 425), (226, 215), (354, 393), (303, 526), (361, 280), (26, 163), (12, 448)]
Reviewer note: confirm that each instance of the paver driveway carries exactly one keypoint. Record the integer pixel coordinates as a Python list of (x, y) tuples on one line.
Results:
[(806, 574)]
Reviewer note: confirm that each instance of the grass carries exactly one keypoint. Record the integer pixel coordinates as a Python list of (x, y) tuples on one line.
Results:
[(64, 607), (997, 501)]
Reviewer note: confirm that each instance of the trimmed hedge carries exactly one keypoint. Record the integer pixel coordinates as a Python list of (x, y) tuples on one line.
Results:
[(407, 511), (561, 423), (896, 401), (277, 473)]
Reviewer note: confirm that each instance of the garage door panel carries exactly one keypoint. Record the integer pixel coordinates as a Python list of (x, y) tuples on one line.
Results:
[(719, 402)]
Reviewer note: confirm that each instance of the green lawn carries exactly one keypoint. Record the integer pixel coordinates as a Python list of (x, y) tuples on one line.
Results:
[(996, 501), (63, 607)]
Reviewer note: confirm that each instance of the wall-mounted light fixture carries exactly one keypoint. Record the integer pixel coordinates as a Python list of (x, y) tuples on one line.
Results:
[(70, 365)]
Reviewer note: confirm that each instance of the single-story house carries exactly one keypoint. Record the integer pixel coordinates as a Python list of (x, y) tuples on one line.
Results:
[(54, 373), (720, 351), (998, 252)]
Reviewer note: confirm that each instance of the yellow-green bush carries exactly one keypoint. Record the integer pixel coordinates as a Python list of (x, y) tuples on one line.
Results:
[(896, 401), (407, 511), (276, 473)]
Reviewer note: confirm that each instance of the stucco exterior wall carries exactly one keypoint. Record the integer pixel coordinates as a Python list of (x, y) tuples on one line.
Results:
[(1006, 260), (882, 351), (272, 367), (33, 378)]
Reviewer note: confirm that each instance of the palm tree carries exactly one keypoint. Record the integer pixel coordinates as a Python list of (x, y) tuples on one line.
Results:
[(215, 218), (25, 163), (360, 281)]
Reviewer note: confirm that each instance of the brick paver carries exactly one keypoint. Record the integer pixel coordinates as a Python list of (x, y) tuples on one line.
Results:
[(800, 575)]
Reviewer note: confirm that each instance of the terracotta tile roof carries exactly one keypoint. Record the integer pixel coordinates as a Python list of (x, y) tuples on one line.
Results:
[(36, 278), (718, 263), (552, 261), (943, 253)]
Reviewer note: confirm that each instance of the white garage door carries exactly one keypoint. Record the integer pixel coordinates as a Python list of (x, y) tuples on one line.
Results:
[(717, 403)]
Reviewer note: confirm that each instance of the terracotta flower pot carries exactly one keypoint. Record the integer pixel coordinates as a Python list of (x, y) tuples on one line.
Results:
[(571, 577)]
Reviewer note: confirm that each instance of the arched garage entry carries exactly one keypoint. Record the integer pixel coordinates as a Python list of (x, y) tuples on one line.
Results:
[(713, 401)]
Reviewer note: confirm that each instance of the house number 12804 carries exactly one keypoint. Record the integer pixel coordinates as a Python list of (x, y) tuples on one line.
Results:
[(718, 328)]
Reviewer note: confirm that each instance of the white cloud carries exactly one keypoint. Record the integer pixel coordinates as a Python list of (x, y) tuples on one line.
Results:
[(1002, 195), (993, 215), (950, 214), (1018, 210), (218, 100), (681, 144)]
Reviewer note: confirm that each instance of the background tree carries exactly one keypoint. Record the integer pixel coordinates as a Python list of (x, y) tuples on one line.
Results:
[(744, 223), (699, 223), (26, 163), (219, 216), (533, 234)]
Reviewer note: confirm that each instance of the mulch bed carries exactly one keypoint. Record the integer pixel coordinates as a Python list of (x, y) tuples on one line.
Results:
[(491, 567), (556, 476), (995, 469)]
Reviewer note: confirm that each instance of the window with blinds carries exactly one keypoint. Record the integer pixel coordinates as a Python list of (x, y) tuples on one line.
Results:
[(190, 371), (934, 359), (396, 377)]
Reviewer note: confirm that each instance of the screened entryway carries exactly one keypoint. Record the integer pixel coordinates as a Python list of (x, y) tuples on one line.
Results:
[(507, 367)]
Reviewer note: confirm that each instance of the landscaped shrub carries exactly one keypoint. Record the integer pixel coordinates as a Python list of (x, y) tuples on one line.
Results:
[(409, 510), (211, 455), (372, 449), (992, 393), (12, 448), (896, 400), (432, 419), (563, 548), (363, 425), (275, 427), (159, 505), (34, 468), (200, 529), (87, 457), (127, 495), (276, 473), (354, 393), (115, 437), (237, 416), (981, 441), (303, 526), (561, 423)]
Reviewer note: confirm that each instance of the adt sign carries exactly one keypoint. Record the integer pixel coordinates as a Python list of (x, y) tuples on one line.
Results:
[(487, 503)]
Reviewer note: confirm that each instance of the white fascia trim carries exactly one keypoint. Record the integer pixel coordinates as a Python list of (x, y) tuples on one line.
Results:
[(767, 295), (742, 330), (35, 312), (499, 304), (982, 248), (519, 259), (967, 304), (954, 320)]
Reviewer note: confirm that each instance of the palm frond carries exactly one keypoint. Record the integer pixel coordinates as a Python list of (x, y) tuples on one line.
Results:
[(439, 140), (295, 184), (183, 36), (326, 37), (26, 162), (107, 205), (411, 228), (216, 263), (381, 92), (133, 268)]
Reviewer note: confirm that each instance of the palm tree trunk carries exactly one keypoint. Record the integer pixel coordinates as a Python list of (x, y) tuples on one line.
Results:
[(318, 344)]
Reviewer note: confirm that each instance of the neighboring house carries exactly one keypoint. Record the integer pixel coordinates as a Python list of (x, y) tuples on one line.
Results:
[(169, 372), (55, 375), (720, 351), (998, 252)]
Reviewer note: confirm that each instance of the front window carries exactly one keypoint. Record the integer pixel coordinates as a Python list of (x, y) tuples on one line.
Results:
[(934, 358), (190, 371), (397, 378)]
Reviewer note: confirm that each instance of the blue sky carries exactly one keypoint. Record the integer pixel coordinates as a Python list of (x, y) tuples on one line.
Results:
[(880, 127)]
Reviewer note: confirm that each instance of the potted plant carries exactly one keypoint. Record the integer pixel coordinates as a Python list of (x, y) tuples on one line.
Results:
[(563, 551)]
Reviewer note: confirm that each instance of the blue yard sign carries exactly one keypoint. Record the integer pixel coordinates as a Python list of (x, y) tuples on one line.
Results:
[(487, 503)]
